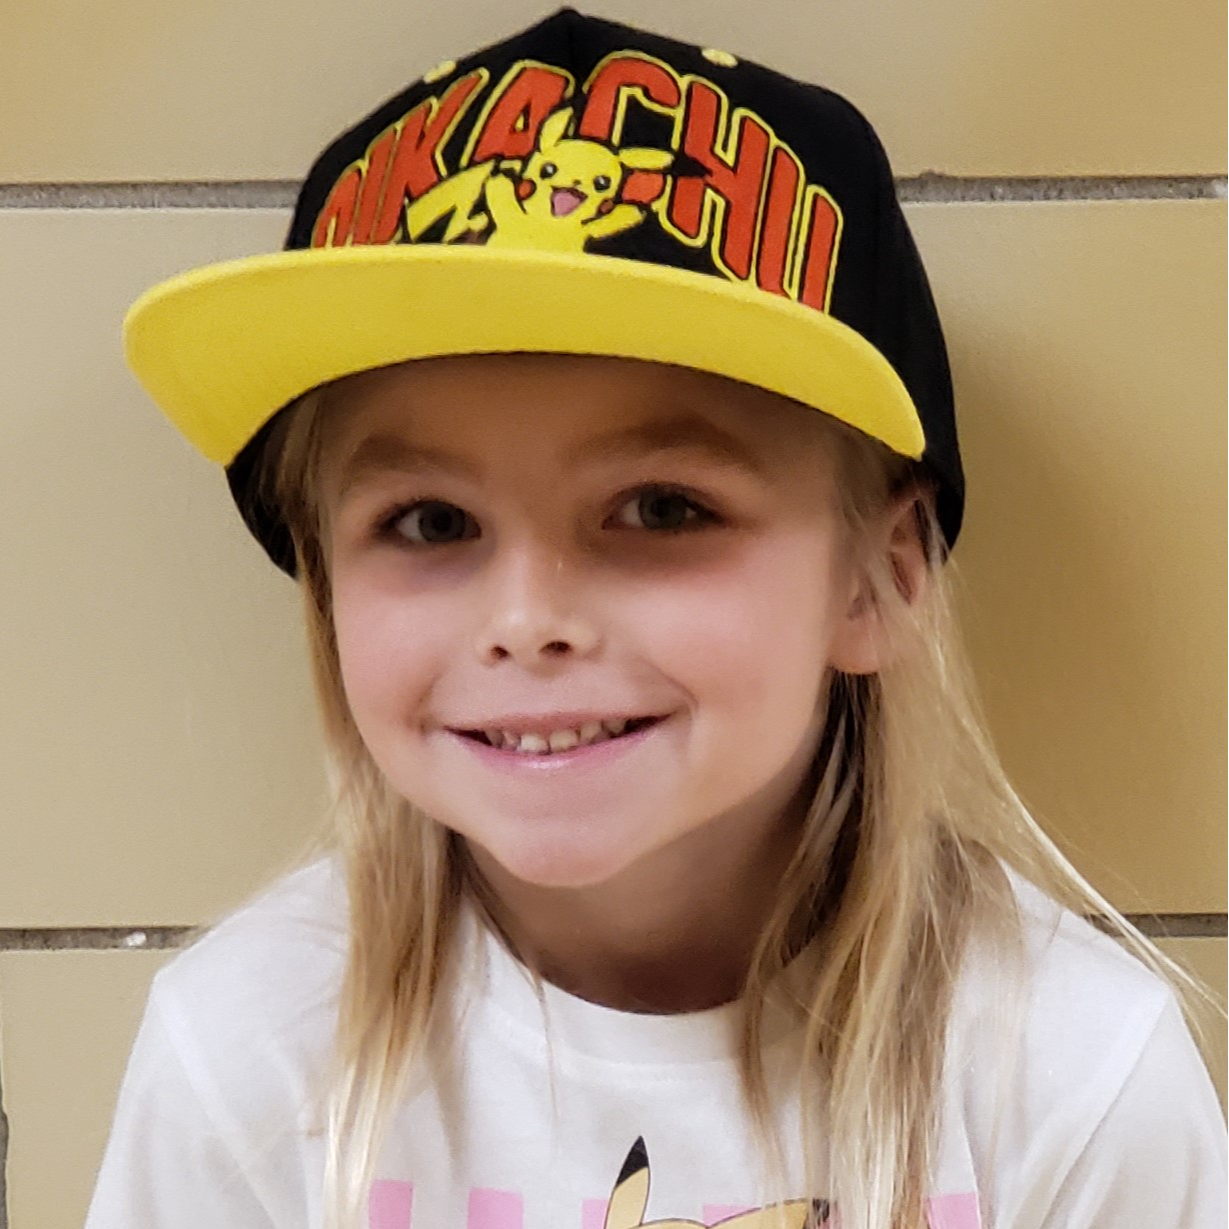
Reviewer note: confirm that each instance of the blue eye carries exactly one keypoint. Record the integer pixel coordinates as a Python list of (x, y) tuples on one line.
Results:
[(662, 510), (434, 523)]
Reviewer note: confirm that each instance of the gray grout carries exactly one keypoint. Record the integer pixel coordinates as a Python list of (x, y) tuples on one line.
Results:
[(93, 938), (168, 938), (929, 188), (955, 189), (1180, 925), (237, 194), (4, 1163)]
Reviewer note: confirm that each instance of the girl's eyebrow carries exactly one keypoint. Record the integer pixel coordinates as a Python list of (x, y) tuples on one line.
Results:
[(682, 432), (385, 453)]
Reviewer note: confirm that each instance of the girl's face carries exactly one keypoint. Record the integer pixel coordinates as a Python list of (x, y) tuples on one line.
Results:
[(584, 607)]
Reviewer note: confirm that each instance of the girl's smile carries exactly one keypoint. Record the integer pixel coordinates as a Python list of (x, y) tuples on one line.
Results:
[(553, 736), (567, 762), (572, 596)]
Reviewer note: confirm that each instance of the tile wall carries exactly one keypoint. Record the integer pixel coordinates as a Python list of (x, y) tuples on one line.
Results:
[(1063, 168)]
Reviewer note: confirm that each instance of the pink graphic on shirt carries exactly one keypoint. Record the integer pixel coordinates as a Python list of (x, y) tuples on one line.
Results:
[(490, 1209), (953, 1212), (593, 1213), (390, 1205)]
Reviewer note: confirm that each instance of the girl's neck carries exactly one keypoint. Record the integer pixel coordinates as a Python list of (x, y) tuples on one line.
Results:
[(674, 933)]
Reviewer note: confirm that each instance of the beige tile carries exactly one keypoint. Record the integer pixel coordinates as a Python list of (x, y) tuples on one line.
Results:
[(1205, 959), (236, 90), (159, 740), (68, 1020), (1088, 343)]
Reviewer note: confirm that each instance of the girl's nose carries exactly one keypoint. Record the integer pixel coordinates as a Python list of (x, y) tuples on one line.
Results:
[(533, 612)]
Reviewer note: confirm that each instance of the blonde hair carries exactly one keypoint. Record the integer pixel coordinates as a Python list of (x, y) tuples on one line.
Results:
[(901, 860)]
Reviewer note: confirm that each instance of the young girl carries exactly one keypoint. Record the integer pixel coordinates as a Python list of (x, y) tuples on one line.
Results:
[(601, 410)]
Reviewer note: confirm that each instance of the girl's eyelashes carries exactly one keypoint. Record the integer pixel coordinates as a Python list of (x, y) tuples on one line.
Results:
[(430, 522), (656, 508), (663, 509)]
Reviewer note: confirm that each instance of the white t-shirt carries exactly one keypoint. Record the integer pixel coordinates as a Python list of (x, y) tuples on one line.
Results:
[(1106, 1118)]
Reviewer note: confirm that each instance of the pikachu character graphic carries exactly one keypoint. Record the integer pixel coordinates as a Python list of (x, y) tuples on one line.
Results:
[(631, 1198), (564, 195)]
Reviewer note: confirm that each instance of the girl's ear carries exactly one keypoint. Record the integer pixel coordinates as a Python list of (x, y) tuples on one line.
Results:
[(863, 644)]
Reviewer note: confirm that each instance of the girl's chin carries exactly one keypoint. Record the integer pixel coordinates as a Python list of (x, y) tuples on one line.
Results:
[(550, 867)]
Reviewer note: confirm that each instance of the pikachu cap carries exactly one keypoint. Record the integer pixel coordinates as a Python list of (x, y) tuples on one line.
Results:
[(581, 188)]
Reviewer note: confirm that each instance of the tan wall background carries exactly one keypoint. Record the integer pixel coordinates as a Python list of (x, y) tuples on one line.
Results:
[(159, 753)]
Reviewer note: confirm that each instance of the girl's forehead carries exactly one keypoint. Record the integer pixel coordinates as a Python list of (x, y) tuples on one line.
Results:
[(478, 400)]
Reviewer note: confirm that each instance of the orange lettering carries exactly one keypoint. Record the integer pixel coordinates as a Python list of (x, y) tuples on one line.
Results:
[(613, 77), (643, 187), (373, 183), (416, 164), (511, 127), (333, 223), (739, 185), (818, 252), (779, 208)]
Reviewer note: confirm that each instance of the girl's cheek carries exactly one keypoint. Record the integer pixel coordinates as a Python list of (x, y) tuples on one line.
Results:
[(725, 625), (382, 641), (766, 615)]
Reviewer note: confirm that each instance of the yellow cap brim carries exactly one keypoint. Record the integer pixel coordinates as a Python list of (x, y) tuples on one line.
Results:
[(223, 348)]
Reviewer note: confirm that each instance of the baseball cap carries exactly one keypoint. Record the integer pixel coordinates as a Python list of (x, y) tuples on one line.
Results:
[(582, 187)]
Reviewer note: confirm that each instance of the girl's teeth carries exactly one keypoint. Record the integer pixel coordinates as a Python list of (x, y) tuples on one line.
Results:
[(587, 735), (564, 740)]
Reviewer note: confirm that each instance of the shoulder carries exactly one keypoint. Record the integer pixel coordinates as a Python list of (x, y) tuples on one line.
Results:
[(1066, 1054), (1056, 999), (274, 954), (219, 1109), (1084, 989), (254, 998)]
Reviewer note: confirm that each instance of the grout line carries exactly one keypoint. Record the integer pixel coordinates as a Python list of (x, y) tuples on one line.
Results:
[(93, 939), (955, 189), (1180, 925), (166, 938), (929, 188), (4, 1163), (226, 194)]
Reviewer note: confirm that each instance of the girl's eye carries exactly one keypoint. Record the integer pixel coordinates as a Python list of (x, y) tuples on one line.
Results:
[(662, 510), (434, 523)]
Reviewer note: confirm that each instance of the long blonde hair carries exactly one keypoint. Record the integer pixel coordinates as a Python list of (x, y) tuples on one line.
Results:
[(901, 858)]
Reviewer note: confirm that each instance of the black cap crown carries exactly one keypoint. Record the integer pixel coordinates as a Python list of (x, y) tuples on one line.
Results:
[(625, 144)]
